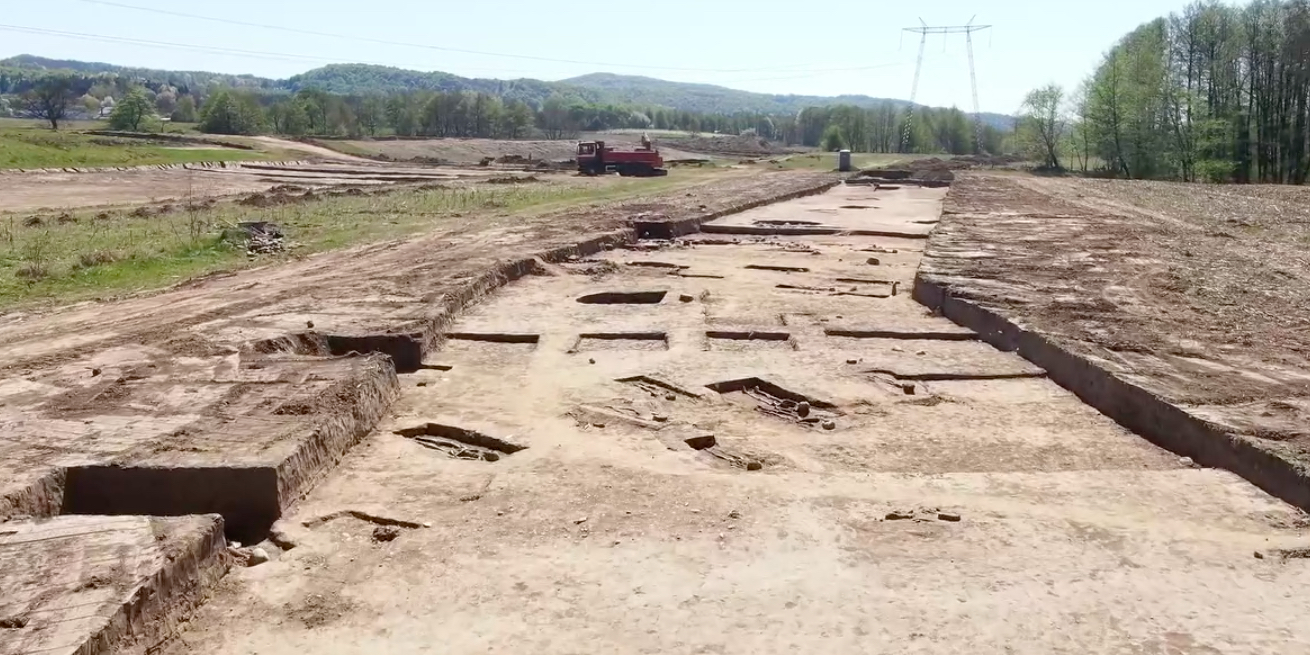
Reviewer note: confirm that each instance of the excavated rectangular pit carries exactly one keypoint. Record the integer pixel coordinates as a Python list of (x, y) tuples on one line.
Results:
[(779, 402), (460, 443), (248, 498), (657, 387), (490, 343), (621, 341), (928, 335), (780, 269), (624, 298), (746, 340)]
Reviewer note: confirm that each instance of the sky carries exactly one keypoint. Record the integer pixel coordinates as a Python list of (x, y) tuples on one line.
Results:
[(828, 47)]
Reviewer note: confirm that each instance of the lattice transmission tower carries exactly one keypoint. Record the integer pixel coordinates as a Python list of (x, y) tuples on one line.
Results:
[(924, 30)]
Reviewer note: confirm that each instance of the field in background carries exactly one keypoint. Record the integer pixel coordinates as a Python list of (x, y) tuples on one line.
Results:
[(24, 144), (87, 253)]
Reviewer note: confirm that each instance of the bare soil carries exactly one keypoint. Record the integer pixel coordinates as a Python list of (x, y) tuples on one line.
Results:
[(1200, 293), (931, 495)]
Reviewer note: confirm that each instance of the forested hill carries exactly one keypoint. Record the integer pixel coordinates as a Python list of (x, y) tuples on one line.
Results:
[(360, 79)]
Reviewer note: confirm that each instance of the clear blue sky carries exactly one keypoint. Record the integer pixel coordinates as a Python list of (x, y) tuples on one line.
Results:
[(825, 47)]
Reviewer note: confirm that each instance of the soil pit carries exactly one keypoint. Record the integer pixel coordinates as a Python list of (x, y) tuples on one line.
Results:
[(621, 341), (624, 298), (781, 269), (778, 402), (657, 387), (734, 341), (460, 443)]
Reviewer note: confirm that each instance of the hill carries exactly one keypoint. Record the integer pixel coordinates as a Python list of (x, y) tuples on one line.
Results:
[(607, 88)]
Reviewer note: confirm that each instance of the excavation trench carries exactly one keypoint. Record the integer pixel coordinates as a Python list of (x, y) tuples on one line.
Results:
[(251, 498)]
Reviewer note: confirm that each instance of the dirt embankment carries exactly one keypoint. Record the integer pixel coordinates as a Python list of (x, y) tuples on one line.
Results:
[(1195, 294)]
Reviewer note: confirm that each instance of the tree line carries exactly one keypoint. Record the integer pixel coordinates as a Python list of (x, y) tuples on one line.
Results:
[(129, 105), (1216, 92)]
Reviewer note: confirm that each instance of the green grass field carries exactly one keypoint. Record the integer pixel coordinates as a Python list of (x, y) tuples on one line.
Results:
[(23, 144), (94, 253)]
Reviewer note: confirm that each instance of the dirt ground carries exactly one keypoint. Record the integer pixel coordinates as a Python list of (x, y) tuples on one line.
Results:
[(581, 469), (725, 444), (318, 167), (1200, 293)]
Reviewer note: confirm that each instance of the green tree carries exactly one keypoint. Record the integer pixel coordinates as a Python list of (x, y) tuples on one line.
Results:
[(185, 112), (230, 112), (833, 138), (133, 112), (50, 98), (1042, 124)]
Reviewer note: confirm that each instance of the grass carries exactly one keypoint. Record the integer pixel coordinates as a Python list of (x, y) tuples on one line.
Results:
[(23, 145), (95, 253)]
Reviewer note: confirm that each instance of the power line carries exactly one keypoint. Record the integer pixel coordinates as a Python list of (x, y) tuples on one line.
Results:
[(254, 54), (365, 39)]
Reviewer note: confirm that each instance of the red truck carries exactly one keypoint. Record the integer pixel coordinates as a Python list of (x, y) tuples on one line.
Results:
[(595, 158)]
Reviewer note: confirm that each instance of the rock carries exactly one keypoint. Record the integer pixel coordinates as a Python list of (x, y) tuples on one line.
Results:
[(1186, 461), (661, 418), (1259, 555), (671, 397), (280, 538), (948, 516), (908, 388), (873, 261), (427, 524), (423, 384), (591, 361), (922, 352), (852, 361), (802, 409), (734, 514), (597, 425), (899, 516), (309, 324), (754, 466), (830, 425), (256, 557), (95, 372), (385, 533), (686, 297), (579, 521)]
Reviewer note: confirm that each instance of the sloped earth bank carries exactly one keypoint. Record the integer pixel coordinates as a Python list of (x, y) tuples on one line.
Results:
[(1182, 311), (230, 396), (759, 444)]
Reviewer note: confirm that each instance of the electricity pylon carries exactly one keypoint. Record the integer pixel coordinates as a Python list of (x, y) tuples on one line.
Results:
[(924, 30)]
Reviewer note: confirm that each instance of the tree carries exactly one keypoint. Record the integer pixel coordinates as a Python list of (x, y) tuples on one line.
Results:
[(134, 110), (51, 98), (554, 120), (230, 112), (833, 139), (185, 112), (1042, 124), (166, 102)]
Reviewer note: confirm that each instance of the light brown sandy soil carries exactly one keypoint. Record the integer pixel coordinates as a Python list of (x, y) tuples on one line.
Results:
[(216, 396), (471, 151), (1198, 293), (989, 511), (32, 191)]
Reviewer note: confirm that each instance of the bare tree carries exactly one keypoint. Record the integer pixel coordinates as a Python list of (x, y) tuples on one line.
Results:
[(1044, 122), (51, 98)]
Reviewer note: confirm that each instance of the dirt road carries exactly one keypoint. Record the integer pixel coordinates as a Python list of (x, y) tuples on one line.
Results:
[(759, 444)]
